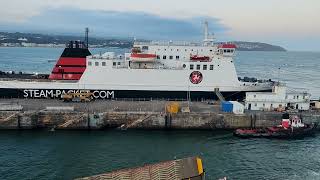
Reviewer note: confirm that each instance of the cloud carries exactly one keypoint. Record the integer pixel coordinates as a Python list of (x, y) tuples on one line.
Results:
[(115, 24), (290, 22)]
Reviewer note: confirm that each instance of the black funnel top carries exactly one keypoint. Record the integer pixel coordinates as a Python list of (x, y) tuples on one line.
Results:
[(76, 49)]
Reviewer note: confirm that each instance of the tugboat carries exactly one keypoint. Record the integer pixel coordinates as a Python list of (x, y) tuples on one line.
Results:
[(291, 127)]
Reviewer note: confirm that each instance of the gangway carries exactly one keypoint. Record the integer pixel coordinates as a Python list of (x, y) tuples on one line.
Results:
[(219, 95)]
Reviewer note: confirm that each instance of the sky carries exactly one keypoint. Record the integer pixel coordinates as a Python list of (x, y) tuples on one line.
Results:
[(293, 24)]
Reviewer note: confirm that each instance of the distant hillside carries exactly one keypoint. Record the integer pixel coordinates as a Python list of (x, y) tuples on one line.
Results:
[(257, 46), (28, 39), (36, 40)]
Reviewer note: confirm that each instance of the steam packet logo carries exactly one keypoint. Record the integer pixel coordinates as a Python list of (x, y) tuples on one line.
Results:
[(196, 77)]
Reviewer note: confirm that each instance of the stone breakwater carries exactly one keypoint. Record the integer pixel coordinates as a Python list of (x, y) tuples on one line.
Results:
[(141, 120)]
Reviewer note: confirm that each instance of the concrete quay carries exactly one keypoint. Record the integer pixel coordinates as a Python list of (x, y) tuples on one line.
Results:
[(133, 115)]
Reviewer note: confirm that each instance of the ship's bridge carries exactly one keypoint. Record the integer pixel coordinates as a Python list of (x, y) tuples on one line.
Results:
[(227, 49)]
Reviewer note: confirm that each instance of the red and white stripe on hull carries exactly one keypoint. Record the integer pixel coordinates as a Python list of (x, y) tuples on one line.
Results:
[(72, 63), (142, 57), (68, 68), (65, 76)]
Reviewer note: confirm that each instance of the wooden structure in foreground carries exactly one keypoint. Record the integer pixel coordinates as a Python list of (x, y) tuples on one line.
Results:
[(182, 169)]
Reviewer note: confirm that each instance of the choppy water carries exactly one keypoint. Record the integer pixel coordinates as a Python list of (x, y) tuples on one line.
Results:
[(67, 155), (300, 70)]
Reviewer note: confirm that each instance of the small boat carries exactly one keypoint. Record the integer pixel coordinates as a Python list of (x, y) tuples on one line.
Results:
[(200, 58), (143, 57), (291, 127), (139, 56)]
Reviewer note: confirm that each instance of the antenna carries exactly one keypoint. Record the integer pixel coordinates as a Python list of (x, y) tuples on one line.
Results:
[(206, 33), (87, 37), (208, 39)]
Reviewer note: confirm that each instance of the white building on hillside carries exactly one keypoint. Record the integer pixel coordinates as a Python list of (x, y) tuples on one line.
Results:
[(278, 98)]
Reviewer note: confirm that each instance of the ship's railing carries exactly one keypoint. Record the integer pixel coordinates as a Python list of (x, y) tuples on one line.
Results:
[(37, 80), (170, 43)]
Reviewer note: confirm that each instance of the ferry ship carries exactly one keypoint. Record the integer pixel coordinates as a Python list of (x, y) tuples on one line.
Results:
[(152, 70)]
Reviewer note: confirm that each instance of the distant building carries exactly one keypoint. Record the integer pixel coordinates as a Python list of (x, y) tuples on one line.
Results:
[(24, 44), (279, 98), (10, 44), (22, 39)]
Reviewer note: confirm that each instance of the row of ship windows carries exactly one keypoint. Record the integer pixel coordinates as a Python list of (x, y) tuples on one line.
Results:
[(186, 50), (192, 66), (178, 57), (225, 50), (198, 67), (103, 63), (165, 57)]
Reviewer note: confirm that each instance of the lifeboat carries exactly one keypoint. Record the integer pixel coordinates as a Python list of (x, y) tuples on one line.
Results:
[(199, 58), (143, 57)]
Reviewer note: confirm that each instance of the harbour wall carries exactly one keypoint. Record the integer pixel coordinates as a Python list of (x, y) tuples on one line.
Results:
[(141, 120)]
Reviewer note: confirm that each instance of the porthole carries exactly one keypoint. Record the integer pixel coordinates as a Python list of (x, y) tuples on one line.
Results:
[(184, 65)]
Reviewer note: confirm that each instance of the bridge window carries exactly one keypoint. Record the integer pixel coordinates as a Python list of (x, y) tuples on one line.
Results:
[(170, 57), (158, 57), (191, 66), (119, 63), (211, 67), (205, 67), (96, 63), (114, 63), (145, 47), (177, 57), (89, 63), (198, 66), (103, 63), (164, 57)]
